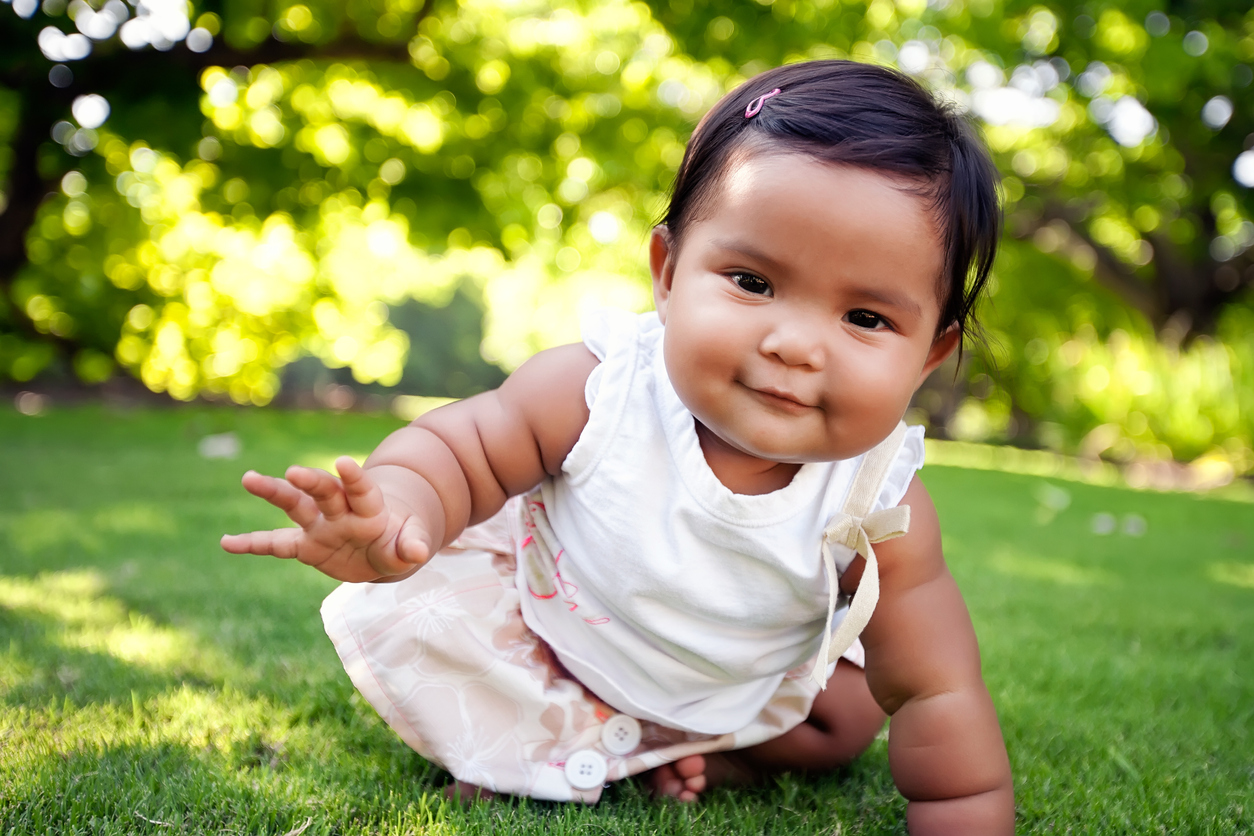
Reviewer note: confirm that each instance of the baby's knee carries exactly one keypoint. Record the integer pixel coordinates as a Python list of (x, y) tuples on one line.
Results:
[(846, 716)]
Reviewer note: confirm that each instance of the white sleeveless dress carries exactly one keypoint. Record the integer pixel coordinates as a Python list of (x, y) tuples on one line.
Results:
[(629, 612)]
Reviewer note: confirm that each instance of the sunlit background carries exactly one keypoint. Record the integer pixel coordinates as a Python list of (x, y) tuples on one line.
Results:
[(372, 206), (239, 201)]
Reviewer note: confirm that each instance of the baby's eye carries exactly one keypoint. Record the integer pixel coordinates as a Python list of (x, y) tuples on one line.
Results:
[(866, 319), (750, 283)]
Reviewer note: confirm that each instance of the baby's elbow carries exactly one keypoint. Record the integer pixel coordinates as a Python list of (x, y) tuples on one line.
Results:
[(948, 745)]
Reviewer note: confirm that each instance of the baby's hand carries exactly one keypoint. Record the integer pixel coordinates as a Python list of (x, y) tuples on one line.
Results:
[(346, 529)]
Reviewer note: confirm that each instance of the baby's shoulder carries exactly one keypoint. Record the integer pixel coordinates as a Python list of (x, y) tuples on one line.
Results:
[(915, 557)]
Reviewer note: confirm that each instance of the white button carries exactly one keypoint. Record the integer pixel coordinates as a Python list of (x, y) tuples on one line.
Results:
[(586, 769), (621, 734)]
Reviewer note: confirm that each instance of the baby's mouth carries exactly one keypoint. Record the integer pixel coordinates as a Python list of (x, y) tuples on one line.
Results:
[(781, 398)]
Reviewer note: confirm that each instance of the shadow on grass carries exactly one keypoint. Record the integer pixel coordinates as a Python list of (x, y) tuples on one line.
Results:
[(170, 788)]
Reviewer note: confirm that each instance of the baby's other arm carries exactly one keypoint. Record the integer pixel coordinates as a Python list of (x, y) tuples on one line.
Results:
[(456, 465), (945, 746)]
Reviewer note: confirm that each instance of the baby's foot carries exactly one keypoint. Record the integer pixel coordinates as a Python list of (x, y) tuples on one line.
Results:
[(465, 793), (687, 778)]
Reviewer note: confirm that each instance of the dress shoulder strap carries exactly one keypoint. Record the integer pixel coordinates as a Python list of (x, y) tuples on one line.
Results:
[(857, 528), (873, 472)]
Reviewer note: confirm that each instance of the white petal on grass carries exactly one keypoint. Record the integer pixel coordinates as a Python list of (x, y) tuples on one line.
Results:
[(30, 403), (1103, 524), (220, 446), (25, 8), (1134, 525), (1053, 497)]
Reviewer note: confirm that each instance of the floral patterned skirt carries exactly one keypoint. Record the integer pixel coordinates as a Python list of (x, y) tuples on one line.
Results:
[(446, 660)]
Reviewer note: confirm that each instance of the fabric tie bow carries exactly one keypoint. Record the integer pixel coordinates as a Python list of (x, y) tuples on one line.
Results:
[(857, 533)]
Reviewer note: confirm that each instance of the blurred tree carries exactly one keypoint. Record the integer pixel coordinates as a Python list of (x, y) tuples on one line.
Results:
[(204, 198), (207, 216)]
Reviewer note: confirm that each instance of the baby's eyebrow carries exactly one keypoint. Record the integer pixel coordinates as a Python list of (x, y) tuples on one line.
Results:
[(751, 253), (888, 297)]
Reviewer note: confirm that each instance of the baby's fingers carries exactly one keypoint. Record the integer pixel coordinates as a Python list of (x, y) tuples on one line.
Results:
[(281, 542), (299, 508), (364, 497), (325, 489)]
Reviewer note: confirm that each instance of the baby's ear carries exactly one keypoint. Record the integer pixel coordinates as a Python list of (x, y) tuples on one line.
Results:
[(662, 266), (945, 344)]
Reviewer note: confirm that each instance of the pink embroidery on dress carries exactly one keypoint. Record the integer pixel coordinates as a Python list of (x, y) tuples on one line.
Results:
[(597, 621)]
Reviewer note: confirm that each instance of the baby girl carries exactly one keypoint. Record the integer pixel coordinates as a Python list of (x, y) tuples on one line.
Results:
[(694, 544)]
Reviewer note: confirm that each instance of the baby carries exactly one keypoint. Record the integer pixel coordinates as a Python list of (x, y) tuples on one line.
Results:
[(694, 544)]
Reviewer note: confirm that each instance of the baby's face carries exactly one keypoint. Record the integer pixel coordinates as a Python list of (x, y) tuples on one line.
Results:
[(801, 311)]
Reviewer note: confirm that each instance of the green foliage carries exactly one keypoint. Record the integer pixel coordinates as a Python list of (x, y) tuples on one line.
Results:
[(144, 673), (323, 164)]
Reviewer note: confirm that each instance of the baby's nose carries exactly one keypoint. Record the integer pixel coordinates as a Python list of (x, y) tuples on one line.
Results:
[(795, 345)]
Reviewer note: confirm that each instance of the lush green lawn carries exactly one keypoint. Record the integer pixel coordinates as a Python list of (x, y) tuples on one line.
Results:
[(150, 683)]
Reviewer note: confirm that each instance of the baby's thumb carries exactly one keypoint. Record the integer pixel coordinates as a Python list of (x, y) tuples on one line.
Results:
[(412, 545)]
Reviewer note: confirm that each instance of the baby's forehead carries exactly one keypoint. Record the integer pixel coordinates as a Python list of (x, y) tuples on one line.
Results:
[(751, 159)]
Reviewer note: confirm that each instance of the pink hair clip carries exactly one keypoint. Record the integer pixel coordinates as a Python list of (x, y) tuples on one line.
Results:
[(756, 105)]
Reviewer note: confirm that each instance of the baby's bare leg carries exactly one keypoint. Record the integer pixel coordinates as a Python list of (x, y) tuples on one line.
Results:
[(842, 723)]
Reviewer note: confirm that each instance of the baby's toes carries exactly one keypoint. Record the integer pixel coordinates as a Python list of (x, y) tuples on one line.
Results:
[(466, 793), (666, 783), (693, 787), (691, 771)]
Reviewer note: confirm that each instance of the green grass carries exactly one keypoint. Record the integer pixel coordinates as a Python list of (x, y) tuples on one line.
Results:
[(150, 683)]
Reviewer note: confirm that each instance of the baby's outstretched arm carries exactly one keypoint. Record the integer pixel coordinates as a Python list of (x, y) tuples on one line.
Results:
[(452, 467), (923, 667)]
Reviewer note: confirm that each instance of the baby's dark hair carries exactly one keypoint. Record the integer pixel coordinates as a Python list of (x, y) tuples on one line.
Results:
[(870, 117)]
